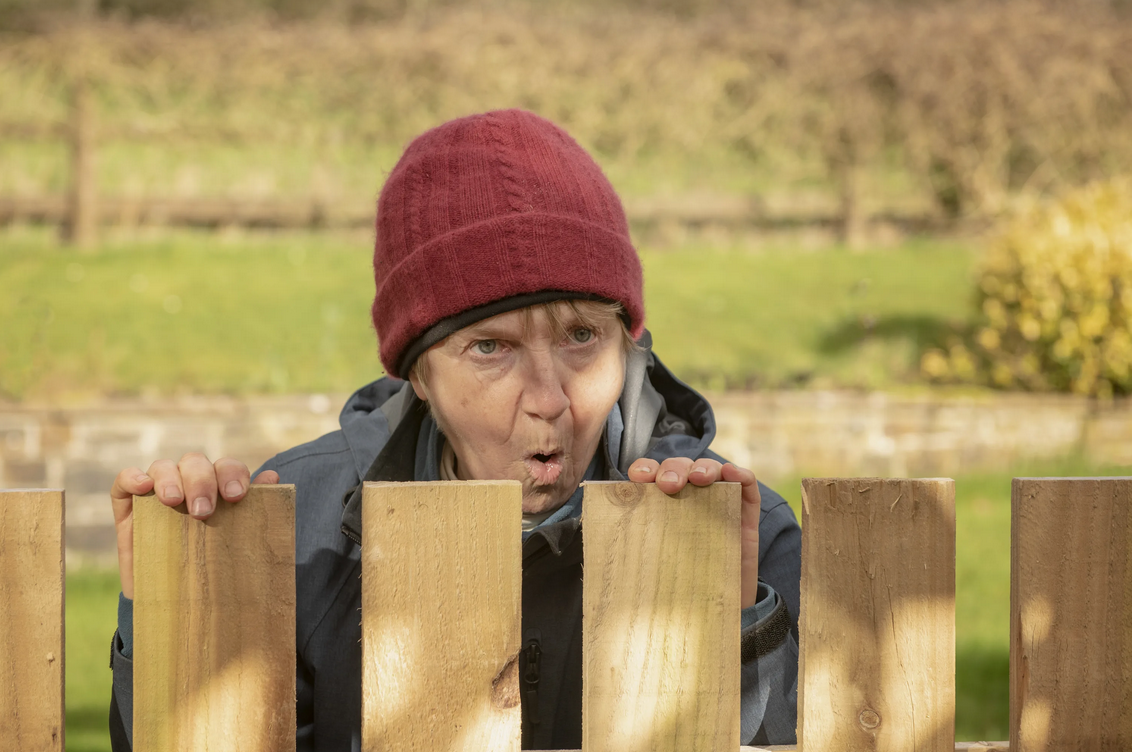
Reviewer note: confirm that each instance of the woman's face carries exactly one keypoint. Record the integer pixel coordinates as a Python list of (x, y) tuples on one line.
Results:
[(519, 402)]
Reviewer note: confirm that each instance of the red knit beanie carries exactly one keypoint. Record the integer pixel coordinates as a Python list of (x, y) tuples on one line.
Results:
[(487, 214)]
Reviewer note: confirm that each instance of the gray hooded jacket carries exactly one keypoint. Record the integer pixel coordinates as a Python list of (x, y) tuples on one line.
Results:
[(387, 435)]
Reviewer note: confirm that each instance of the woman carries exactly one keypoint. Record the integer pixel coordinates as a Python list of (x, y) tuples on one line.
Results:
[(509, 300)]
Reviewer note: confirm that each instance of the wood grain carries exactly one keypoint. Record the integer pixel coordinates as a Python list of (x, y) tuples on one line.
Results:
[(214, 625), (1071, 614), (877, 627), (660, 618), (441, 616), (31, 620)]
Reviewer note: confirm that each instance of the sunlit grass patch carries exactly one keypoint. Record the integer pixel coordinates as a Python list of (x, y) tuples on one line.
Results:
[(238, 312)]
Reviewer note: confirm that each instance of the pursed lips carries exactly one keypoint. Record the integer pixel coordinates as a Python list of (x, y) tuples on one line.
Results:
[(545, 466)]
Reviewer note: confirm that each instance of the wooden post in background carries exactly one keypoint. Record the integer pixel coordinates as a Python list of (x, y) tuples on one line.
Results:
[(660, 618), (214, 625), (441, 616), (81, 227), (877, 627), (31, 620), (1071, 614)]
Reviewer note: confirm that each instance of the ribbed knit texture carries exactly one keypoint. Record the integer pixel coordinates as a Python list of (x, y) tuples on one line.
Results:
[(488, 207)]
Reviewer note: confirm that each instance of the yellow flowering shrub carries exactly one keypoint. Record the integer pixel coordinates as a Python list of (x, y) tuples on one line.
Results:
[(1055, 300)]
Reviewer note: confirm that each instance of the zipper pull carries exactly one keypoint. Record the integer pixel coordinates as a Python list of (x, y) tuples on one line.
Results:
[(532, 652)]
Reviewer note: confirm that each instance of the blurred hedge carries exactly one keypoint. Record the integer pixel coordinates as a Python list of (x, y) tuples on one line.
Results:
[(974, 101), (1055, 300)]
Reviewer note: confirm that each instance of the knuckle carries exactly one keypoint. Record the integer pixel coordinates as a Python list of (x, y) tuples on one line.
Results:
[(229, 469), (163, 464), (202, 481), (677, 464)]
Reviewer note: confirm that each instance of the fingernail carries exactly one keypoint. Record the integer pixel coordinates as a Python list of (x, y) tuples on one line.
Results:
[(700, 470), (670, 477), (202, 506), (233, 489), (172, 493), (142, 478)]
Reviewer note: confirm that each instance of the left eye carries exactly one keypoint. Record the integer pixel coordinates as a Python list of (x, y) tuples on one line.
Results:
[(581, 336)]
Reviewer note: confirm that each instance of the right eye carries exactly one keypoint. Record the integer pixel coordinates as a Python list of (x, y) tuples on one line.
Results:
[(485, 346)]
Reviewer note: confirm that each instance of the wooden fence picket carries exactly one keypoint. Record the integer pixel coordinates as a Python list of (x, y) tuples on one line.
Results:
[(1071, 614), (877, 627), (660, 619), (441, 616), (214, 619), (31, 620), (214, 625)]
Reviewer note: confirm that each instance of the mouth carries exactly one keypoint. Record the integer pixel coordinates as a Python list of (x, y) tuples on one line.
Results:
[(545, 467)]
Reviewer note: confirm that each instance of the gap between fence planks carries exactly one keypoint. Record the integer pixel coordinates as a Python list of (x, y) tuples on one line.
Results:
[(877, 627), (31, 620), (214, 625), (660, 618), (1071, 614), (441, 616)]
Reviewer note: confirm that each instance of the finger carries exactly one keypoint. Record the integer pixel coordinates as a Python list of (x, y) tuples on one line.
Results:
[(267, 477), (705, 471), (643, 470), (752, 499), (750, 513), (199, 478), (232, 478), (673, 474), (167, 482), (129, 483), (735, 474)]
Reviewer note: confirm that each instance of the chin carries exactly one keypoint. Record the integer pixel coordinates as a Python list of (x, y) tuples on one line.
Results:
[(540, 499)]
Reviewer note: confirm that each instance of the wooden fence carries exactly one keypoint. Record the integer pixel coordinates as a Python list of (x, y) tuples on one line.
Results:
[(84, 207), (214, 618)]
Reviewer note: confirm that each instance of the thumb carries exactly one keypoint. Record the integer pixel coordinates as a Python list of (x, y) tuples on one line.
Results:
[(267, 478), (129, 483)]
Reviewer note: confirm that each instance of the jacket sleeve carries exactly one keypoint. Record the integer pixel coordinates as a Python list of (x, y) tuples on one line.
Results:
[(121, 699), (768, 674), (775, 668)]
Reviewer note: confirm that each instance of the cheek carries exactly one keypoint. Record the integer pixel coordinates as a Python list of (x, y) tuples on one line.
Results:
[(597, 390), (475, 413)]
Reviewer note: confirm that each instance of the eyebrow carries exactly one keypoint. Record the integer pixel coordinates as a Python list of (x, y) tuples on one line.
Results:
[(487, 330)]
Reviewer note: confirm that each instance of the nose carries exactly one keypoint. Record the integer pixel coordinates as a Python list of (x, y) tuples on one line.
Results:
[(544, 394)]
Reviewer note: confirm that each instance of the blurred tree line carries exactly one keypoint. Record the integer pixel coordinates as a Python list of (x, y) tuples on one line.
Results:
[(30, 13), (973, 103)]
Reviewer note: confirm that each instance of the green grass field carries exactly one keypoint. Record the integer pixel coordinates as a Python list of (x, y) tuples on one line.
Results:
[(982, 614), (276, 313), (92, 612)]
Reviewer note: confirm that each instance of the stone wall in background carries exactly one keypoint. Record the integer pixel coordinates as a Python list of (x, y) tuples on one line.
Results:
[(778, 434)]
